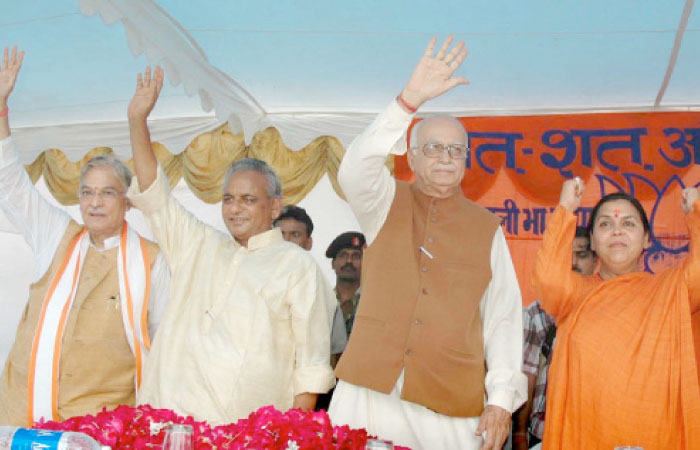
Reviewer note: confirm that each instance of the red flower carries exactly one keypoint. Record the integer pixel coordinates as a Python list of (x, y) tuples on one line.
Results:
[(144, 427)]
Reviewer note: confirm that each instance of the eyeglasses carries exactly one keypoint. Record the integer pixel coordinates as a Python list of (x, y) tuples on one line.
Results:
[(435, 150), (107, 195)]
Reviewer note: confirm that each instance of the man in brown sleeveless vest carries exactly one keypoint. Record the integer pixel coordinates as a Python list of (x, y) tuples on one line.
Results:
[(99, 358), (434, 360)]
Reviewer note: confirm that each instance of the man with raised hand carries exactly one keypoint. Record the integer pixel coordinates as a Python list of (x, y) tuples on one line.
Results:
[(248, 324), (96, 296), (434, 359)]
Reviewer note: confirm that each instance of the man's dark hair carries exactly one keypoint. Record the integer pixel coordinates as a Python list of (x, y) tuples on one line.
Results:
[(582, 232), (296, 213)]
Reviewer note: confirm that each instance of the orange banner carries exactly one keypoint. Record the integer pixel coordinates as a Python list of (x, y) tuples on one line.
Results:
[(517, 165)]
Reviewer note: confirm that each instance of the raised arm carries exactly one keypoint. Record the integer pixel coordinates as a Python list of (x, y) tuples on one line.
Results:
[(147, 92), (8, 75), (366, 182), (174, 227), (41, 224), (557, 286)]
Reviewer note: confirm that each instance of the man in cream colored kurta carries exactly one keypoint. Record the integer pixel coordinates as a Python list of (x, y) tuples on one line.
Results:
[(248, 324), (371, 190)]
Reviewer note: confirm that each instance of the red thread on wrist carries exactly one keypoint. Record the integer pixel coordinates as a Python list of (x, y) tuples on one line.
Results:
[(410, 108), (5, 112)]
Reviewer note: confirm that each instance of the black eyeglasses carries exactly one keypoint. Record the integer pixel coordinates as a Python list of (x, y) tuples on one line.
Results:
[(434, 150)]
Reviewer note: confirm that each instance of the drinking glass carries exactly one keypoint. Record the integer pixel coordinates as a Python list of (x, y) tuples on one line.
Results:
[(178, 437)]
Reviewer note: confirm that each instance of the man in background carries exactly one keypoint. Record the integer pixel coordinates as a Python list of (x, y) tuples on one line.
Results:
[(296, 226), (346, 259)]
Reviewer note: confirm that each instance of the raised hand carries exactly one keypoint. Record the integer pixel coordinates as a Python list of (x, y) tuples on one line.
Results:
[(8, 72), (571, 194), (147, 92), (433, 76), (688, 198)]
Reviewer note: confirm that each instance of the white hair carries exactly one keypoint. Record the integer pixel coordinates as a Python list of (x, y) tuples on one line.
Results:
[(415, 131), (120, 170), (274, 185)]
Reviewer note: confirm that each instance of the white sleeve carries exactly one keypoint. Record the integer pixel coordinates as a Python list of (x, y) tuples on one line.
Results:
[(41, 224), (502, 316), (366, 182), (175, 229), (308, 301), (160, 293)]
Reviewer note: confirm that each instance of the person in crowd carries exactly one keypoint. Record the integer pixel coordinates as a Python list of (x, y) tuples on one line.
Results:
[(97, 292), (296, 226), (248, 324), (345, 253), (624, 371), (434, 359), (539, 335)]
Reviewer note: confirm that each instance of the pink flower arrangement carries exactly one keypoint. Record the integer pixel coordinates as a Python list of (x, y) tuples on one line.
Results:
[(143, 427)]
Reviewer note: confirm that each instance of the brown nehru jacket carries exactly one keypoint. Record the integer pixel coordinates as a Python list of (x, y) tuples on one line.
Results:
[(421, 314)]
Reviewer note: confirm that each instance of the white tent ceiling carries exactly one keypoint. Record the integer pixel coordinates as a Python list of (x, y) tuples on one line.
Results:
[(313, 67)]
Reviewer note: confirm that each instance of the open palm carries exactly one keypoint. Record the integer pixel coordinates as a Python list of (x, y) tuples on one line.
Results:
[(433, 76), (9, 70), (147, 92)]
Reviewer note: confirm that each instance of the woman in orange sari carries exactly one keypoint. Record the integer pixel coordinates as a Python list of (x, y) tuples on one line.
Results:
[(624, 369)]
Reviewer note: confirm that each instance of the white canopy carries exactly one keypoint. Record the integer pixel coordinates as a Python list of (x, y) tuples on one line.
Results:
[(313, 68)]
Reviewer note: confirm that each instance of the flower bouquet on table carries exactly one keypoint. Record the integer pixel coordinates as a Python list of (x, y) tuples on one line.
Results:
[(143, 427)]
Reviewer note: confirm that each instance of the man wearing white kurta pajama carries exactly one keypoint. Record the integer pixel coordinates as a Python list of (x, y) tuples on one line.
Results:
[(435, 356), (249, 321)]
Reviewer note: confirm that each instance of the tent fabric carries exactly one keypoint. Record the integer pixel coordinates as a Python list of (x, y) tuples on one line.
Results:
[(150, 30), (204, 162)]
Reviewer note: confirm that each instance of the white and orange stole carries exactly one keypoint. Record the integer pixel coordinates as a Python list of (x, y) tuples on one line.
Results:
[(134, 289)]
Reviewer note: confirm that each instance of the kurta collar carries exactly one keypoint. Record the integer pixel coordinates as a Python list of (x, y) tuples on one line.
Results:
[(109, 243), (264, 239)]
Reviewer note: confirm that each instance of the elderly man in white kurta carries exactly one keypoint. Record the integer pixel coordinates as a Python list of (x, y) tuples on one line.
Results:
[(434, 358), (96, 296), (249, 323)]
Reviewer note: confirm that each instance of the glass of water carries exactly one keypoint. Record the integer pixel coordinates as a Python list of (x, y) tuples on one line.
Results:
[(378, 444), (178, 437)]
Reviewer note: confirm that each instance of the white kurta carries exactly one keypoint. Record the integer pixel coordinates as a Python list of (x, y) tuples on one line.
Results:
[(370, 189), (246, 326)]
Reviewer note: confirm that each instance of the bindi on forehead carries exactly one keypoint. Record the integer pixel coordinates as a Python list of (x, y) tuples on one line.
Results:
[(616, 213)]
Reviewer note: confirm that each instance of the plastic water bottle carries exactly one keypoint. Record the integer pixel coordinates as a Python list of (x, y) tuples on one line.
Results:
[(15, 438)]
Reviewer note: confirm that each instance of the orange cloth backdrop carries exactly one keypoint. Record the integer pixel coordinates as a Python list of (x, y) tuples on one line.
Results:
[(517, 165)]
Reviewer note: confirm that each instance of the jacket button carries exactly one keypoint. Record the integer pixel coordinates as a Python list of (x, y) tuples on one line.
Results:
[(418, 321), (433, 219), (424, 268), (425, 291), (409, 352), (431, 239)]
